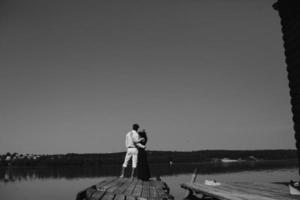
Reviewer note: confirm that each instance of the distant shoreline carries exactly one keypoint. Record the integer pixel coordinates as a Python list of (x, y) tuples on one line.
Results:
[(154, 157), (179, 163), (14, 173)]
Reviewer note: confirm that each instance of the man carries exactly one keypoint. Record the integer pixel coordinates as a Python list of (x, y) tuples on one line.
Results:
[(132, 140)]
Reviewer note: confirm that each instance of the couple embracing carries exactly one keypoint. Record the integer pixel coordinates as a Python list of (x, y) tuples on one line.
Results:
[(136, 151)]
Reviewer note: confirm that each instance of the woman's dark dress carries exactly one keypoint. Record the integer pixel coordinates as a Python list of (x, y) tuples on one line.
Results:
[(143, 171)]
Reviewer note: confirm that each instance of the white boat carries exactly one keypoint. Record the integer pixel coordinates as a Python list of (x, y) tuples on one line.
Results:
[(294, 188), (212, 182), (227, 160)]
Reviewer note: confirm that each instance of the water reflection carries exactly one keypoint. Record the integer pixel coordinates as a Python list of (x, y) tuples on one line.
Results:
[(25, 174)]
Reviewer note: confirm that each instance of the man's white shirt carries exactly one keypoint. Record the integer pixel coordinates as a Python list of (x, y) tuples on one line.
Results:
[(131, 139)]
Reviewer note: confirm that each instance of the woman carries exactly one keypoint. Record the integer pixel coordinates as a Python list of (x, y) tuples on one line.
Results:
[(142, 166)]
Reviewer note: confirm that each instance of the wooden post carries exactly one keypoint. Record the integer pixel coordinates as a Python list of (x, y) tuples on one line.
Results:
[(189, 193), (194, 177)]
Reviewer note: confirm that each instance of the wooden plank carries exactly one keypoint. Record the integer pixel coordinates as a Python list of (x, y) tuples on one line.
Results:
[(273, 187), (156, 198), (105, 182), (160, 190), (153, 189), (208, 192), (118, 184), (97, 195), (151, 198), (109, 185), (138, 189), (239, 191), (89, 192), (124, 187), (265, 186), (158, 184), (131, 187), (277, 189), (146, 189), (163, 193), (130, 198), (153, 192), (108, 196), (263, 191), (250, 191), (119, 197), (162, 186)]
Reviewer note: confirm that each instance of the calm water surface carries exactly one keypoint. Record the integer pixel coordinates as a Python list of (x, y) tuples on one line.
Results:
[(63, 184)]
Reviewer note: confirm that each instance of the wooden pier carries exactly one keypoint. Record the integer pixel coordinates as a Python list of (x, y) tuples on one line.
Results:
[(126, 189), (241, 191)]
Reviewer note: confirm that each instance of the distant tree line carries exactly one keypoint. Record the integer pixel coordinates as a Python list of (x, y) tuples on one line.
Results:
[(154, 157), (12, 174)]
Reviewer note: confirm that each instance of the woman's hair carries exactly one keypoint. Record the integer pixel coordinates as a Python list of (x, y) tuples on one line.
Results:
[(143, 134)]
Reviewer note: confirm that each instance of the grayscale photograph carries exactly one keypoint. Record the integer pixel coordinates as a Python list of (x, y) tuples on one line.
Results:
[(149, 100)]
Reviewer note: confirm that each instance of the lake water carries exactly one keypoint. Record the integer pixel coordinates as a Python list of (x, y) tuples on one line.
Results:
[(65, 183)]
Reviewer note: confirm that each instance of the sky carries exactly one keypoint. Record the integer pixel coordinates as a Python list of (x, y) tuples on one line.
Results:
[(206, 74)]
